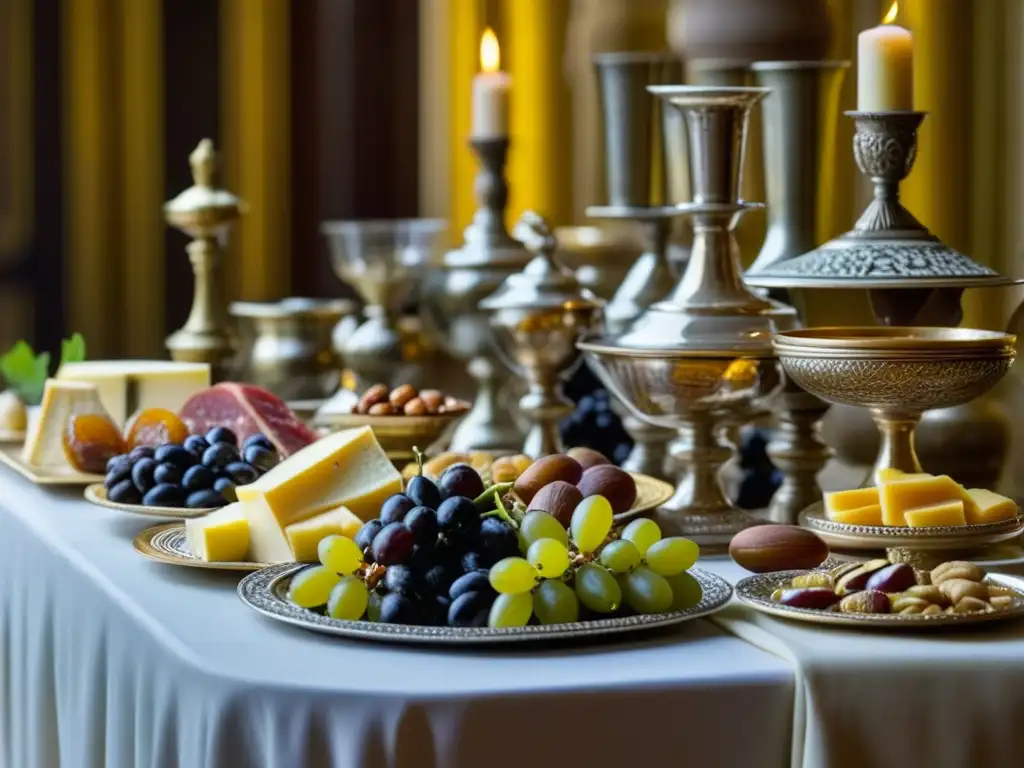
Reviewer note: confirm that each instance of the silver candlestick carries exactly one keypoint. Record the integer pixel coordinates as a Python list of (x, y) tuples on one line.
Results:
[(451, 305)]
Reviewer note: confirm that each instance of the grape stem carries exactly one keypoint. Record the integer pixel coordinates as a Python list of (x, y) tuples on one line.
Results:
[(502, 513), (418, 455), (498, 488)]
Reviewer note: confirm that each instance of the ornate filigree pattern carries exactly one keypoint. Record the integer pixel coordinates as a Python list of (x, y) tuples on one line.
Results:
[(266, 591), (881, 260), (905, 384), (885, 144)]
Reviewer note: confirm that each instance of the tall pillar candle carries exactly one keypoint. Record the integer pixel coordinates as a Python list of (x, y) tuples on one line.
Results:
[(490, 92), (885, 68)]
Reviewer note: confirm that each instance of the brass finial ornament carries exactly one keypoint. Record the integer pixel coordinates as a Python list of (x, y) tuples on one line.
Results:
[(204, 213)]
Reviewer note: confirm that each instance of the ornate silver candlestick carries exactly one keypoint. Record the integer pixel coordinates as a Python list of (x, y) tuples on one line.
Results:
[(631, 124), (705, 351), (800, 118), (454, 291), (538, 315)]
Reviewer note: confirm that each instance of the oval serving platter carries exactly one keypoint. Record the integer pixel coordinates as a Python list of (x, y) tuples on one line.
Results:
[(266, 592), (946, 537), (651, 493), (756, 592), (166, 543), (97, 494)]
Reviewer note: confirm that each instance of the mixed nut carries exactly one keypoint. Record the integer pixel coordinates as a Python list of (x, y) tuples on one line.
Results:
[(879, 586), (406, 400)]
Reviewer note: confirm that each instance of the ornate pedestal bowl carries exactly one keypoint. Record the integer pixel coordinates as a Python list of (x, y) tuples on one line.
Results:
[(896, 373)]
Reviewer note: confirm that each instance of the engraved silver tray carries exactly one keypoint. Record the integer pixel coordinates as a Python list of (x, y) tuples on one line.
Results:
[(266, 591)]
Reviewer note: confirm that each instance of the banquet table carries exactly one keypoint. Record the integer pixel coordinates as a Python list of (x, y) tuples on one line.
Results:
[(111, 660)]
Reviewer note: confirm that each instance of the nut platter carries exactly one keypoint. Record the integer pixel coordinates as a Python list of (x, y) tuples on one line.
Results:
[(762, 593), (266, 592)]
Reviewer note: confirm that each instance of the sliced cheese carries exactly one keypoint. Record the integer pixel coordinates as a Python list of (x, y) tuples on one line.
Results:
[(946, 513), (221, 536), (44, 443), (899, 497), (844, 501), (868, 515), (127, 386), (303, 538), (990, 507), (346, 468)]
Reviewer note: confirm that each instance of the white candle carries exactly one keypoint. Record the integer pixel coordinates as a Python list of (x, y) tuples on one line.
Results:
[(885, 67), (490, 92)]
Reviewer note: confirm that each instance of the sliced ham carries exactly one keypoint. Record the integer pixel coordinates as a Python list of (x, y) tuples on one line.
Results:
[(246, 410)]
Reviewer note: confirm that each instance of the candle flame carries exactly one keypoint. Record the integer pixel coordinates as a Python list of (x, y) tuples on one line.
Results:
[(890, 17), (490, 53)]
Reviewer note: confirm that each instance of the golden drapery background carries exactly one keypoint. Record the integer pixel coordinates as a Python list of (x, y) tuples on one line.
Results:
[(113, 152)]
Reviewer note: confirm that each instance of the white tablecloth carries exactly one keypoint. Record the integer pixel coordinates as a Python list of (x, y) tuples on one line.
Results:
[(880, 699), (107, 659)]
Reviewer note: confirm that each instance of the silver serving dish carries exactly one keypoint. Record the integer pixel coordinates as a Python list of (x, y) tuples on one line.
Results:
[(267, 592)]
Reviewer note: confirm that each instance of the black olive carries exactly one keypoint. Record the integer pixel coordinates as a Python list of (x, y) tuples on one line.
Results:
[(167, 473), (175, 454), (198, 478), (121, 458), (141, 452), (125, 492), (221, 435), (258, 439), (165, 495), (219, 455), (261, 458), (117, 474), (204, 500), (241, 473), (226, 488), (142, 474), (196, 444)]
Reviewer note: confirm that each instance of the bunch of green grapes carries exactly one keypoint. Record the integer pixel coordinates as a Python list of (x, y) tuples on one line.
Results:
[(336, 583), (560, 570)]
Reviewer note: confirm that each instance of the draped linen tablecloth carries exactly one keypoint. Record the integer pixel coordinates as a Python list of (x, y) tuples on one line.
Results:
[(882, 698), (111, 660)]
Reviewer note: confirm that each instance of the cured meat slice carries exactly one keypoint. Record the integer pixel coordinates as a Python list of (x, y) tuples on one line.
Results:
[(246, 410)]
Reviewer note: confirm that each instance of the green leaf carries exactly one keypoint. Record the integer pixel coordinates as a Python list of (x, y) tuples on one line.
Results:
[(72, 350), (25, 372)]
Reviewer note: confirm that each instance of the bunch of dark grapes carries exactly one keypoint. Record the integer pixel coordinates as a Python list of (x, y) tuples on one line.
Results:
[(436, 548), (202, 472), (760, 477), (593, 424)]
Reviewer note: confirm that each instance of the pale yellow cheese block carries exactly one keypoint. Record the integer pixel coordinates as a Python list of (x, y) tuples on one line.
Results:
[(899, 497), (844, 501), (894, 475), (44, 443), (127, 386), (222, 536), (346, 468), (990, 507), (946, 513), (867, 515), (304, 537)]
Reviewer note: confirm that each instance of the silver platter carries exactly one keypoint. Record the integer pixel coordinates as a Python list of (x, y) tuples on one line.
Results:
[(266, 591), (756, 591)]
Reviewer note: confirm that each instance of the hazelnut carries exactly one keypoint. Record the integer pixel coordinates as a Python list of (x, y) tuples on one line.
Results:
[(378, 393), (432, 399), (381, 409), (415, 407), (401, 395)]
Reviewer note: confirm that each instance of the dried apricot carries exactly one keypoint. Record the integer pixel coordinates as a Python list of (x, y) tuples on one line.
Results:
[(90, 441), (155, 426)]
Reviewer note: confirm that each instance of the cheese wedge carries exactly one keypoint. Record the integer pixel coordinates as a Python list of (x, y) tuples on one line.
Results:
[(894, 475), (303, 538), (946, 513), (127, 386), (991, 507), (844, 501), (221, 536), (868, 515), (899, 497), (44, 443), (347, 468)]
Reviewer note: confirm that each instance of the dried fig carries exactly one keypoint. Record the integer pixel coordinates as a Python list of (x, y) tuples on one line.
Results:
[(892, 578), (868, 601), (857, 578), (812, 597)]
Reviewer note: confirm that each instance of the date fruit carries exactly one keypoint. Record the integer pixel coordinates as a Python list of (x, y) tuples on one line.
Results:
[(893, 578), (811, 597), (544, 471), (868, 601), (857, 578), (559, 499), (90, 441), (587, 457), (616, 485), (766, 548)]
